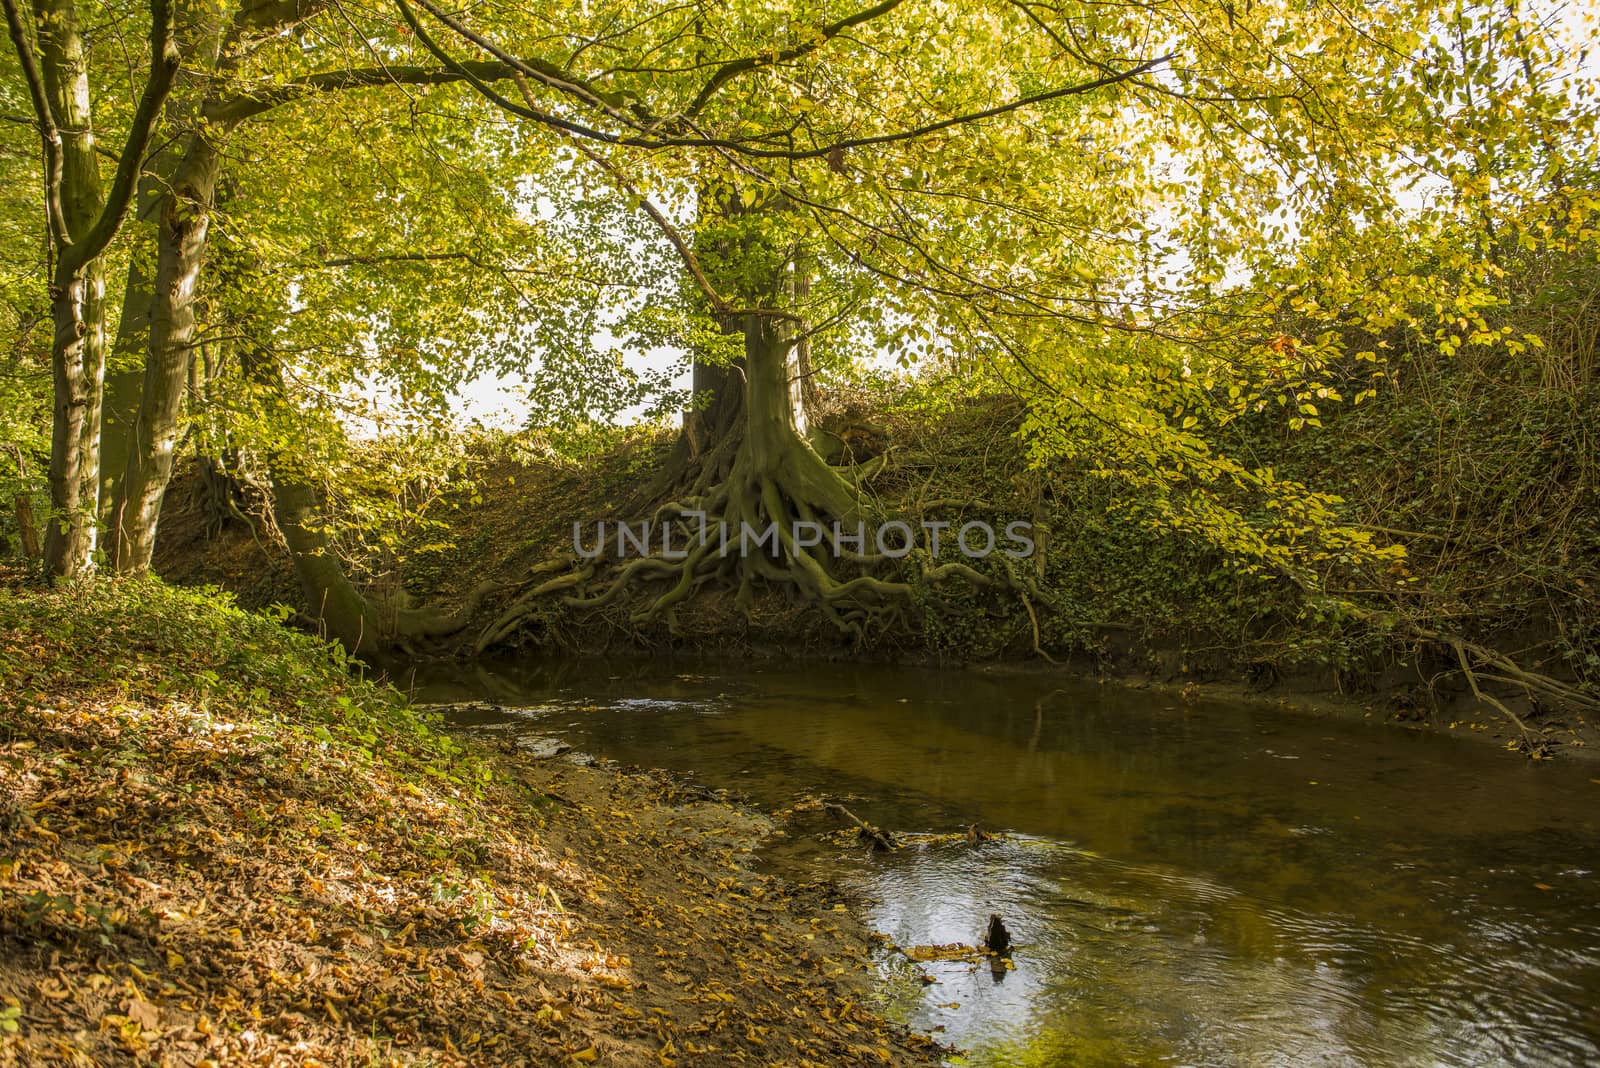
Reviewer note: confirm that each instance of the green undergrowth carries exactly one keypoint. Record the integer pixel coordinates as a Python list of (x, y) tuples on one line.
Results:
[(145, 643)]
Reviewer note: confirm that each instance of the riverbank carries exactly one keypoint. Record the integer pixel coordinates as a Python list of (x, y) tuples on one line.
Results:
[(221, 847), (1400, 703), (1438, 640)]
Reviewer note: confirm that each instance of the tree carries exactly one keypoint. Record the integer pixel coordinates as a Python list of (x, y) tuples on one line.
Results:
[(183, 211), (1125, 212), (83, 217), (801, 139)]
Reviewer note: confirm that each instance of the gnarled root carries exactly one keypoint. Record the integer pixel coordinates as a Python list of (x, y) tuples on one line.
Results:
[(774, 523)]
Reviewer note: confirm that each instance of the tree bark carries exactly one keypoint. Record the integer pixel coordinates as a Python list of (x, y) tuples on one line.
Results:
[(341, 611), (83, 218), (78, 363), (185, 220), (77, 297), (200, 39), (773, 446), (180, 203), (124, 379), (27, 526)]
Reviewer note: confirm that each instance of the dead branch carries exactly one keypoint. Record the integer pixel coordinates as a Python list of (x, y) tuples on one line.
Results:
[(881, 840)]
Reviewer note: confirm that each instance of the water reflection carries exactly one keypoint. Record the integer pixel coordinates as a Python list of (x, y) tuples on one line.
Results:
[(1205, 884)]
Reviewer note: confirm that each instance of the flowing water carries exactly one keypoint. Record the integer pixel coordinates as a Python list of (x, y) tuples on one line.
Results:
[(1187, 884)]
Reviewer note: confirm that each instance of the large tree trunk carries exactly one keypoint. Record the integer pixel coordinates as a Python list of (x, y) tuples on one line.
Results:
[(714, 425), (773, 451), (185, 220), (77, 300), (708, 438), (198, 31), (339, 609), (78, 361)]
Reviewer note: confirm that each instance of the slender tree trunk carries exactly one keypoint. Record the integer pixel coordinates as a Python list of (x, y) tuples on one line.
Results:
[(77, 300), (27, 526), (79, 360), (341, 611), (178, 200), (83, 219), (124, 379), (185, 220)]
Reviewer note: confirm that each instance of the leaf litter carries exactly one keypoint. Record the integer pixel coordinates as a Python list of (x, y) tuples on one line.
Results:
[(217, 847)]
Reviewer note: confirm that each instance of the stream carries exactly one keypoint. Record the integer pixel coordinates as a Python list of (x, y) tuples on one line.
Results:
[(1204, 883)]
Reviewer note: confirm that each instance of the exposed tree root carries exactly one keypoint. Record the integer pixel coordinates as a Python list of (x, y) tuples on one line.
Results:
[(1033, 621), (1529, 739), (779, 518), (1532, 683)]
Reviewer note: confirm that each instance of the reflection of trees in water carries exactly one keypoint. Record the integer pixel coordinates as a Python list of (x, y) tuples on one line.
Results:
[(1343, 922), (1119, 964)]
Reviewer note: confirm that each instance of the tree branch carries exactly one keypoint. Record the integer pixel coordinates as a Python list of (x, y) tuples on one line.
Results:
[(163, 66), (731, 70), (235, 109), (46, 124)]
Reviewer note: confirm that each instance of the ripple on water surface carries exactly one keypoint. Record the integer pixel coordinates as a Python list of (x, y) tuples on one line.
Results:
[(1186, 884)]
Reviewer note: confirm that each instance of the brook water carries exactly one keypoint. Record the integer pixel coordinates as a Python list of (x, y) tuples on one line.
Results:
[(1188, 884)]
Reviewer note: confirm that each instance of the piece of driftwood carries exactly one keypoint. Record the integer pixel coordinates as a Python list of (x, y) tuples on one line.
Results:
[(880, 838), (998, 940)]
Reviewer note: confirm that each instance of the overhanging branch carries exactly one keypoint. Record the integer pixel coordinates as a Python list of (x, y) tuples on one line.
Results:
[(236, 109), (748, 146)]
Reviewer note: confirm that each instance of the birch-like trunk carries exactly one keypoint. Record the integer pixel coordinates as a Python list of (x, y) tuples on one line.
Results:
[(77, 298), (184, 222)]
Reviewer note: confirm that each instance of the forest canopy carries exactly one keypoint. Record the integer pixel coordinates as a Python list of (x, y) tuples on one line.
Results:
[(263, 233)]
